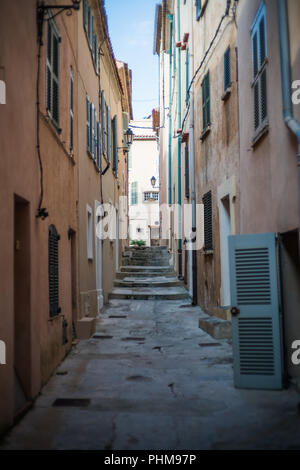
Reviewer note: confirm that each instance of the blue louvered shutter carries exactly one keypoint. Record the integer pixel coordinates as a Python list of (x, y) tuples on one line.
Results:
[(227, 77), (91, 129), (94, 133), (198, 9), (256, 331), (87, 124)]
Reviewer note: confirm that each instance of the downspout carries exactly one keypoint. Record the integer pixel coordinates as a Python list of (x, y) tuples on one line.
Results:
[(192, 170), (286, 81), (170, 106), (179, 146)]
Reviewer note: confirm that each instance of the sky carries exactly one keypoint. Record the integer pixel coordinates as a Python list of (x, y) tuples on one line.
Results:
[(131, 29)]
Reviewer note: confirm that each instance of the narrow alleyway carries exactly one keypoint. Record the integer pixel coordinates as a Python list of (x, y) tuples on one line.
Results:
[(151, 379)]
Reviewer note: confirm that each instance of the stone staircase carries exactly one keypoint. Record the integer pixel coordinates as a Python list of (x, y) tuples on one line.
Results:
[(147, 274)]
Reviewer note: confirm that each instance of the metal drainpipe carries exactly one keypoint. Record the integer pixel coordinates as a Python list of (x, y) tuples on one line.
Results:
[(179, 146), (286, 82), (170, 106), (192, 167)]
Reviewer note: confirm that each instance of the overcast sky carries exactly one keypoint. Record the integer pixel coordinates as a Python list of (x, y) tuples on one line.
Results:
[(131, 28)]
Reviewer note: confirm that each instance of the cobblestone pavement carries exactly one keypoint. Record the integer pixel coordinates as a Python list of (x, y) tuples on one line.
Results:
[(153, 380)]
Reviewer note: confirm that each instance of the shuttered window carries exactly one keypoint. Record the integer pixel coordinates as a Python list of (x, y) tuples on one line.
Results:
[(53, 268), (71, 111), (198, 9), (103, 122), (187, 74), (259, 56), (206, 101), (98, 146), (85, 14), (88, 124), (52, 73), (208, 229), (227, 75), (115, 144), (134, 193), (108, 133), (187, 171)]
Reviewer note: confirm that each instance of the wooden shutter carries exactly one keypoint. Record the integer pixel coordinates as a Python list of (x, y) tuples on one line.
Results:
[(256, 331), (227, 78), (198, 9), (53, 271), (91, 128), (187, 74), (208, 229), (206, 101), (52, 72)]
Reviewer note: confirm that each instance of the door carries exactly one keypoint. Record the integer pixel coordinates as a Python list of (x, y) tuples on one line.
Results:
[(225, 231), (256, 332)]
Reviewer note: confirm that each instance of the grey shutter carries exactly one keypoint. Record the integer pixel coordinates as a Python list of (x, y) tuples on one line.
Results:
[(103, 121), (262, 40), (95, 133), (256, 331), (187, 170), (227, 78), (255, 54), (91, 129), (115, 144), (85, 14), (53, 271), (108, 130), (98, 146)]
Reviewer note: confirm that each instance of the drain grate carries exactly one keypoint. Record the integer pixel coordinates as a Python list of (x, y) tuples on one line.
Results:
[(102, 337), (207, 345), (75, 402), (117, 316), (131, 338)]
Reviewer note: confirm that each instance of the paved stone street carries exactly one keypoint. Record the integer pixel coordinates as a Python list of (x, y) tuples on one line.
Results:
[(155, 381)]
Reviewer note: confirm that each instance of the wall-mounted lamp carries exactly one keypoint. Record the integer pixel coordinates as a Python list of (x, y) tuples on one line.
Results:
[(128, 140), (153, 181), (42, 8)]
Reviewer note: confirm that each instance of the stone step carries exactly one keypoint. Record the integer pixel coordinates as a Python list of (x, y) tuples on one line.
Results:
[(215, 327), (149, 282), (147, 248), (147, 269), (124, 274), (158, 293), (147, 263)]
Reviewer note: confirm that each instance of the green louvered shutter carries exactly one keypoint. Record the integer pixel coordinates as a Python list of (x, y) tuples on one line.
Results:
[(256, 331), (103, 122), (108, 130), (87, 124)]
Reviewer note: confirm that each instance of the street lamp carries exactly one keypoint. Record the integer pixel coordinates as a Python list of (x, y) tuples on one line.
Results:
[(153, 181), (129, 137), (42, 7)]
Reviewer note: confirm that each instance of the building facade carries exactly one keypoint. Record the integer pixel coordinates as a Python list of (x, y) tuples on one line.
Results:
[(143, 194)]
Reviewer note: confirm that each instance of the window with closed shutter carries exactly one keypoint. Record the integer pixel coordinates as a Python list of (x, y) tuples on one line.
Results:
[(85, 14), (259, 59), (71, 111), (53, 267), (108, 133), (103, 122), (187, 171), (208, 229), (52, 73), (206, 101), (98, 146), (227, 75), (198, 9), (115, 144), (88, 146), (187, 74)]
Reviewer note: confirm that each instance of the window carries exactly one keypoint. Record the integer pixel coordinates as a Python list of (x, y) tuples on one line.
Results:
[(187, 74), (71, 111), (108, 134), (259, 56), (227, 75), (115, 144), (98, 146), (88, 125), (208, 232), (198, 9), (53, 239), (88, 24), (52, 65), (187, 171), (134, 193), (89, 233), (206, 101), (103, 122), (151, 196)]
